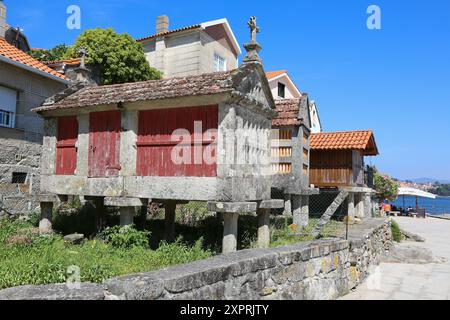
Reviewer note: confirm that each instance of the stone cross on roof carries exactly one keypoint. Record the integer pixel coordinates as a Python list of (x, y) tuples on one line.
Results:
[(254, 29), (83, 52), (253, 47)]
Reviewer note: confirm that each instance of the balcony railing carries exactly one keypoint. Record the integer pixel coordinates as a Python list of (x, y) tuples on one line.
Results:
[(6, 119)]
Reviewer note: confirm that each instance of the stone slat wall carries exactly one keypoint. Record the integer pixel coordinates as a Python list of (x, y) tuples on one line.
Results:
[(325, 269)]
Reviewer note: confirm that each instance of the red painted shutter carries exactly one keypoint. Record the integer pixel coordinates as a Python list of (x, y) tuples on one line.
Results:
[(66, 151), (104, 144), (155, 143)]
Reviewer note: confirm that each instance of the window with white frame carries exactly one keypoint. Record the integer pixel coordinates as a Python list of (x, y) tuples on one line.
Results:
[(8, 103), (220, 64)]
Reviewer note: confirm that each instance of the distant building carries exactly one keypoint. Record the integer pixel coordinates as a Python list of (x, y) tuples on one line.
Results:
[(337, 165), (24, 84), (203, 48), (13, 36), (283, 87)]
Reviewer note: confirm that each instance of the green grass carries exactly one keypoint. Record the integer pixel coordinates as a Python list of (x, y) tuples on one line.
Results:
[(286, 236), (396, 232), (45, 260), (34, 259)]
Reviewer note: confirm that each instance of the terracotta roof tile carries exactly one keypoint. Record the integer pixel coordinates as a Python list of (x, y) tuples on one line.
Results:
[(196, 26), (274, 74), (288, 113), (75, 61), (346, 140), (12, 53)]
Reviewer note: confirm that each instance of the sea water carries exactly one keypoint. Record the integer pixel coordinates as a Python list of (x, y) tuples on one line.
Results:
[(438, 206)]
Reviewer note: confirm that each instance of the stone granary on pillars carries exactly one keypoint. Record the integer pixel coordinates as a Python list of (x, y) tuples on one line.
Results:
[(291, 157), (194, 138), (337, 164)]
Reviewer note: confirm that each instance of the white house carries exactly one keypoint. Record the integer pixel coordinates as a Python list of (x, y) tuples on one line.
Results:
[(283, 87), (202, 48)]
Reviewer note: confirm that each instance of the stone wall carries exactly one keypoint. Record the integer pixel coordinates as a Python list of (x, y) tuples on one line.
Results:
[(324, 269), (19, 156)]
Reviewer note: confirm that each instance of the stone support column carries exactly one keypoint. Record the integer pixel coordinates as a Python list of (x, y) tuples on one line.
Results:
[(287, 205), (230, 230), (45, 224), (305, 211), (127, 216), (351, 205), (170, 215), (263, 228), (359, 202)]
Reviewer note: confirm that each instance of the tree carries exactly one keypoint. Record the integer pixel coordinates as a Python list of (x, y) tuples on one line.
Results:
[(386, 187), (55, 54), (119, 58)]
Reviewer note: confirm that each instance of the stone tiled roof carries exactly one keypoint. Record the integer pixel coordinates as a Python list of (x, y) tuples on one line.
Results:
[(162, 34), (14, 54), (347, 140), (273, 74), (205, 84), (288, 113)]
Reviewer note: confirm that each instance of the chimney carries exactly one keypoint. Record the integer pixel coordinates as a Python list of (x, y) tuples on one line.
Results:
[(3, 25), (162, 24)]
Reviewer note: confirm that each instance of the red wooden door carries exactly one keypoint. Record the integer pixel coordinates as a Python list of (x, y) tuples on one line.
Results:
[(104, 144), (66, 151), (156, 142)]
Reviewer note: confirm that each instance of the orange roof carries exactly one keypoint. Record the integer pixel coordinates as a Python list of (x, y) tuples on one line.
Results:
[(274, 74), (12, 53), (347, 140), (74, 61), (195, 26)]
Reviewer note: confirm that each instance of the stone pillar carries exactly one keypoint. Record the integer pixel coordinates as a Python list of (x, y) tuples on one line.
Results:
[(368, 205), (305, 210), (300, 219), (170, 215), (45, 225), (230, 229), (263, 228), (287, 205), (126, 216), (351, 205), (100, 214), (359, 202)]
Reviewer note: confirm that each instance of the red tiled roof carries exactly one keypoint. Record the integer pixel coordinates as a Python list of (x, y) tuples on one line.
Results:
[(161, 34), (67, 61), (274, 74), (288, 113), (346, 140), (12, 53)]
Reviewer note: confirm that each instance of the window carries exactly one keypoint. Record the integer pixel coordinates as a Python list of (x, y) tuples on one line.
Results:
[(19, 177), (8, 101), (281, 90), (220, 63)]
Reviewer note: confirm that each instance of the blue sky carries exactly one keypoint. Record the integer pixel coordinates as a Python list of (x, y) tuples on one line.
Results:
[(395, 81)]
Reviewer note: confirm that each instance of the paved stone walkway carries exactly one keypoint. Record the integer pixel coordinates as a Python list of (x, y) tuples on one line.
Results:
[(413, 281)]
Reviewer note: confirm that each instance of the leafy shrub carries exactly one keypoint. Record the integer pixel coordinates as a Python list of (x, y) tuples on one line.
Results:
[(125, 237), (396, 232)]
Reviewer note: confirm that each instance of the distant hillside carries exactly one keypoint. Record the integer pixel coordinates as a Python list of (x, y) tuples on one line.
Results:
[(429, 180)]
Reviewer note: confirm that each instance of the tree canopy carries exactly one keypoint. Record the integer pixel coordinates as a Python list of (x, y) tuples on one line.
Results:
[(386, 187), (118, 57), (57, 53)]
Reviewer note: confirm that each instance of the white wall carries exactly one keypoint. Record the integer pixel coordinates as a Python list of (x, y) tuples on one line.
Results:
[(316, 126), (188, 53), (290, 90)]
